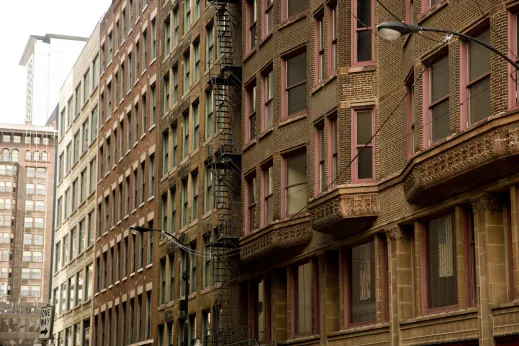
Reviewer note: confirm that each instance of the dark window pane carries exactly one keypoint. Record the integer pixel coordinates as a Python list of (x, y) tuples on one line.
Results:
[(440, 121), (296, 169), (364, 45), (304, 298), (479, 94), (362, 283), (295, 6), (365, 163), (479, 56), (363, 13), (364, 127), (297, 99), (296, 69), (439, 79), (441, 259)]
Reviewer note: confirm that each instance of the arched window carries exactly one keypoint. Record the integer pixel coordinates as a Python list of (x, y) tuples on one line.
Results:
[(6, 155), (14, 155), (28, 156), (44, 156), (36, 156)]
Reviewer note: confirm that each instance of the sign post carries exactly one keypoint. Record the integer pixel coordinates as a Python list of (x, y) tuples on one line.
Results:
[(46, 319)]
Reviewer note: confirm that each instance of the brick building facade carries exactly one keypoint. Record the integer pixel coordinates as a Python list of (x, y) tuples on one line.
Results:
[(127, 166)]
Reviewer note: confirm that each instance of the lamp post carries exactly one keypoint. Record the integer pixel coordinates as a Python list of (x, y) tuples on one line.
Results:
[(185, 275), (392, 31)]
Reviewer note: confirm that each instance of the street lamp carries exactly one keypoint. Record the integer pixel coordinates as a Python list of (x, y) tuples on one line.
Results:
[(392, 31), (185, 275)]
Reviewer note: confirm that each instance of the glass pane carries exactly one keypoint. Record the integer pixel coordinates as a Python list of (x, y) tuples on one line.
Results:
[(296, 198), (297, 99), (295, 6), (365, 163), (479, 56), (362, 281), (296, 169), (439, 79), (479, 94), (304, 298), (442, 262), (364, 45), (296, 69), (440, 121), (364, 13), (364, 127)]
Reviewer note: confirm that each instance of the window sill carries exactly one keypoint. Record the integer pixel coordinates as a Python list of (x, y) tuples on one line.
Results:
[(432, 11), (124, 279), (116, 283), (249, 145), (140, 270), (110, 287), (250, 53), (126, 216), (141, 205), (356, 68), (293, 118), (127, 152), (132, 275), (207, 214), (112, 228), (135, 144), (151, 198), (295, 18), (149, 266), (142, 136), (151, 127), (266, 38), (134, 210)]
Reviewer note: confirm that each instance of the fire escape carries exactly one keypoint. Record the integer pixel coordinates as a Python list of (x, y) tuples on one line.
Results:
[(224, 161)]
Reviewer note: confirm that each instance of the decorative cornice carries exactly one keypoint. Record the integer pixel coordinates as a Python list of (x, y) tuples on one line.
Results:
[(484, 202), (456, 161), (276, 238)]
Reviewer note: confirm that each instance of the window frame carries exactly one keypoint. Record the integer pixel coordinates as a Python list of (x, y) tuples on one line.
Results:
[(314, 304), (285, 88), (332, 33), (250, 204), (354, 166), (267, 103), (355, 29), (251, 22), (321, 162), (284, 181), (320, 63), (251, 100)]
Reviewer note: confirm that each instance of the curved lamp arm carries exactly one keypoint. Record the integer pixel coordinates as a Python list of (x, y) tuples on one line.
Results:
[(140, 229)]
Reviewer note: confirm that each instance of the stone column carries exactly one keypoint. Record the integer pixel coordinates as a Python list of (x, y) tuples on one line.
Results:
[(400, 261), (490, 259)]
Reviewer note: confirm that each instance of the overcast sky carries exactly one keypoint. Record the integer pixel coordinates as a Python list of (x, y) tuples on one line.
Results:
[(37, 17)]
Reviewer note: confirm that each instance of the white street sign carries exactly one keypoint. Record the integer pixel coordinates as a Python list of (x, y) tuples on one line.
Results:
[(46, 323)]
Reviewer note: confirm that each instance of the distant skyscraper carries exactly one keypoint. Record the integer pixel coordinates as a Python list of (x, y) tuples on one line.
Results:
[(48, 59)]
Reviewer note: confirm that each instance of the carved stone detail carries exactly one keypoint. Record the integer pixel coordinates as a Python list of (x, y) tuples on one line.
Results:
[(343, 207), (484, 202), (275, 239), (462, 158)]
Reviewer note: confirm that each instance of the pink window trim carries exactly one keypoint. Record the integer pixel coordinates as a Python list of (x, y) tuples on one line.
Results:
[(248, 38), (426, 8), (426, 130), (317, 177), (314, 296), (264, 77), (319, 17), (263, 204), (354, 166), (466, 258), (264, 33), (284, 18), (512, 43), (408, 14), (411, 133), (464, 109), (329, 38), (331, 119), (284, 108), (283, 187), (246, 207), (384, 279), (424, 276), (354, 36), (248, 96)]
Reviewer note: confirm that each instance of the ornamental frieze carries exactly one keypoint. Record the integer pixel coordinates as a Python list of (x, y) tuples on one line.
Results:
[(479, 153), (279, 237), (343, 207)]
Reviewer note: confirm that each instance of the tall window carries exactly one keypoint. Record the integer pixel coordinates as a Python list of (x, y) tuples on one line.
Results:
[(251, 111), (363, 131), (251, 203), (269, 17), (151, 177), (187, 72), (143, 115), (268, 99), (187, 15), (439, 100), (209, 122), (252, 15), (194, 195), (175, 28), (361, 283), (166, 87), (295, 87), (165, 152), (153, 103), (295, 183), (174, 95), (208, 190), (196, 53), (143, 182), (320, 152), (268, 198), (319, 47), (441, 262), (209, 46), (196, 125), (185, 135), (293, 7), (162, 295), (411, 136), (332, 46), (183, 219), (174, 146), (153, 40), (304, 294), (362, 31), (478, 79), (167, 36), (192, 268), (332, 147)]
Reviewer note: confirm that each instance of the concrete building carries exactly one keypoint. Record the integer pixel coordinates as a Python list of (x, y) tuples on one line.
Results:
[(75, 205), (26, 195), (126, 189), (48, 60)]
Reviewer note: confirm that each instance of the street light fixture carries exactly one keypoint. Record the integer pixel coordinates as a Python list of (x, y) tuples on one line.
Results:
[(185, 275), (392, 31)]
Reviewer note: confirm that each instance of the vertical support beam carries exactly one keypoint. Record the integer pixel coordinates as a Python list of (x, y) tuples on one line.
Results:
[(514, 209), (460, 253), (487, 210)]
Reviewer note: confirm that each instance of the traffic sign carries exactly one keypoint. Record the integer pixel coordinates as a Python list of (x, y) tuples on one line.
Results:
[(46, 317)]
